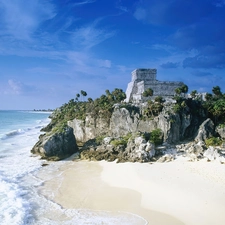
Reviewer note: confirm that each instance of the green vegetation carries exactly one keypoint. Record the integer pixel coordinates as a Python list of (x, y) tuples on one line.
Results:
[(154, 107), (99, 139), (181, 102), (183, 89), (215, 105), (79, 108), (122, 140), (213, 141), (194, 94), (75, 108), (147, 93), (156, 136), (117, 142)]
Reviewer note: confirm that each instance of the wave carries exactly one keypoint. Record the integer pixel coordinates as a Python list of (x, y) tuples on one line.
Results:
[(13, 133), (14, 208), (39, 125)]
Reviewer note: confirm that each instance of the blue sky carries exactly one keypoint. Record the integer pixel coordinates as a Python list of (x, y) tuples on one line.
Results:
[(52, 49)]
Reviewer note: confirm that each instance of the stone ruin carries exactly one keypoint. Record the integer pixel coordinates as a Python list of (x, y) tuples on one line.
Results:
[(143, 79)]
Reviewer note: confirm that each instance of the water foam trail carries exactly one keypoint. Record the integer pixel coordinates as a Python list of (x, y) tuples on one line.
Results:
[(16, 163), (14, 207)]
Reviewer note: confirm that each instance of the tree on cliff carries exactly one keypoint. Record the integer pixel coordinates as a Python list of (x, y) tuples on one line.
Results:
[(83, 93), (147, 93), (118, 95), (183, 89), (215, 104), (216, 91), (194, 94), (77, 96)]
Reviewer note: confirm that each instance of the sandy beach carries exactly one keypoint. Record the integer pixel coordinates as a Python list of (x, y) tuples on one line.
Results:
[(176, 193)]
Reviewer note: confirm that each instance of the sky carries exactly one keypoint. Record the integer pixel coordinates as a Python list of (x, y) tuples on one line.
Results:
[(52, 49)]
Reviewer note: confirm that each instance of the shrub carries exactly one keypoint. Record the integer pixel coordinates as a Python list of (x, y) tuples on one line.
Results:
[(117, 142), (99, 139), (156, 137), (121, 141), (213, 141)]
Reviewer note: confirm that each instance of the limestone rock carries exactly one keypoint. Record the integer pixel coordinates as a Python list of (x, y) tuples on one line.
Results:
[(90, 128), (137, 150), (140, 150), (211, 154), (221, 131), (206, 130), (166, 158), (56, 146), (129, 120), (195, 151)]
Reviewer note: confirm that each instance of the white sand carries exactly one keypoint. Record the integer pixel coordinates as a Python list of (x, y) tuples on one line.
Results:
[(174, 193), (193, 192)]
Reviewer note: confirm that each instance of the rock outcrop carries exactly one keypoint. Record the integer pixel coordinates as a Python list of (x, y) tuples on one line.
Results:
[(205, 131), (56, 146), (137, 149), (221, 131), (129, 120), (126, 136)]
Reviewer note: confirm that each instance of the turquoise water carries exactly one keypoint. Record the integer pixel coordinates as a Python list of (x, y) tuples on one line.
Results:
[(19, 131)]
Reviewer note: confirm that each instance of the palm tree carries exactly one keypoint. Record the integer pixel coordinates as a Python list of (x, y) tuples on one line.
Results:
[(147, 93), (184, 89), (107, 92), (83, 93), (216, 91), (193, 94), (178, 91)]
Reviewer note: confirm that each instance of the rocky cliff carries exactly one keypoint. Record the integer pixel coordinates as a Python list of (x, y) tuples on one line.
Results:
[(128, 132), (129, 119), (156, 129)]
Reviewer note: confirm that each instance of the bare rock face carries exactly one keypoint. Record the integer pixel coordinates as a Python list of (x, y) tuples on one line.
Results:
[(89, 128), (221, 131), (140, 150), (56, 146), (195, 151), (124, 121), (211, 154), (206, 130)]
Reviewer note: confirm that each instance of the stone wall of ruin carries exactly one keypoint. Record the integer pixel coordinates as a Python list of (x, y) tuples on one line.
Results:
[(143, 79)]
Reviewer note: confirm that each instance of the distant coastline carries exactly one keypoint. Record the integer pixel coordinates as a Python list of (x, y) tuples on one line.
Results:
[(43, 110)]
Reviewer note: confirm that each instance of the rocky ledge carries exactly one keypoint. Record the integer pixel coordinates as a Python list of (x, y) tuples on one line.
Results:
[(128, 135), (56, 146)]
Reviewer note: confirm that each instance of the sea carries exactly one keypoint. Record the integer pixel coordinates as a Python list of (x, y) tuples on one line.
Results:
[(21, 201)]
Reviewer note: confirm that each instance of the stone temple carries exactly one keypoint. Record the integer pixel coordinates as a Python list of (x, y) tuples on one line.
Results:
[(143, 79)]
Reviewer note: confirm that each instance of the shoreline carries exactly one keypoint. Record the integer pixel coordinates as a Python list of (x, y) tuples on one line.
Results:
[(173, 193)]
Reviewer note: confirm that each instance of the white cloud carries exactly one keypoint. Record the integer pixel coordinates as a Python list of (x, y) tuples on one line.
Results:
[(18, 88), (19, 18), (89, 36), (85, 62), (84, 2)]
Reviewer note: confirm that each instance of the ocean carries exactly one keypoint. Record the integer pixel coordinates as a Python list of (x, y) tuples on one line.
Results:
[(19, 131), (23, 199)]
